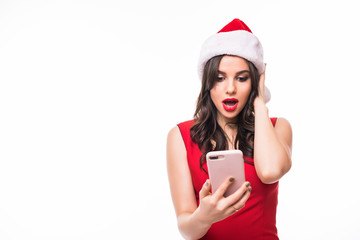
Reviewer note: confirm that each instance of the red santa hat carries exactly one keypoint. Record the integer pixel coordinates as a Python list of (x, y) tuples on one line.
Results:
[(235, 39)]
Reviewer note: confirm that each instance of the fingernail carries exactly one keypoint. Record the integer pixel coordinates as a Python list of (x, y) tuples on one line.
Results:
[(207, 183), (231, 179), (248, 184)]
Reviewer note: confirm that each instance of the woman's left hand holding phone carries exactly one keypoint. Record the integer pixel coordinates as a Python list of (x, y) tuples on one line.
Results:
[(215, 207)]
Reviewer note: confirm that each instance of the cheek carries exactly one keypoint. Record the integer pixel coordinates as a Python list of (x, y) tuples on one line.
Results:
[(245, 92), (247, 89), (214, 94)]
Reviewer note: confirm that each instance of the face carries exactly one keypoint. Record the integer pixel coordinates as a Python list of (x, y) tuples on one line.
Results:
[(231, 89)]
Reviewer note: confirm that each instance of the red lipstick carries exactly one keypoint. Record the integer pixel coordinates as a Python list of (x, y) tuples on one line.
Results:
[(230, 104)]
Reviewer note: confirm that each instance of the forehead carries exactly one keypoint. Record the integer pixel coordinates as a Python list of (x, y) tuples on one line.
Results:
[(233, 63)]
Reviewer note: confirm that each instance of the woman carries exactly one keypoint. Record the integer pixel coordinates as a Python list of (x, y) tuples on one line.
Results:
[(230, 114)]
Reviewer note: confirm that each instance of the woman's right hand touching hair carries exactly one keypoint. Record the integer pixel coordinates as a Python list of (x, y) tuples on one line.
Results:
[(215, 207)]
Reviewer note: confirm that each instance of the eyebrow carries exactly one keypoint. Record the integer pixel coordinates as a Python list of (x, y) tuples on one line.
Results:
[(238, 73)]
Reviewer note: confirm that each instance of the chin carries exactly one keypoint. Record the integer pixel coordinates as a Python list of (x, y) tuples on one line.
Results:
[(230, 117)]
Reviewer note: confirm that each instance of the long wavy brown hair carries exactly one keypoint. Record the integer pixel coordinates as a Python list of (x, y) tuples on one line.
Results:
[(206, 132)]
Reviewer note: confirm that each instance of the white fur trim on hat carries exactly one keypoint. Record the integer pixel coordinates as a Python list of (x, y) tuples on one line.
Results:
[(239, 43)]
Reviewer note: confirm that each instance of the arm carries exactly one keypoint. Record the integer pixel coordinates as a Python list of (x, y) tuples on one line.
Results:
[(194, 221), (272, 145), (181, 188)]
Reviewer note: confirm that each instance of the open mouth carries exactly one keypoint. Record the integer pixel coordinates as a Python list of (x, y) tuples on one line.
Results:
[(230, 104)]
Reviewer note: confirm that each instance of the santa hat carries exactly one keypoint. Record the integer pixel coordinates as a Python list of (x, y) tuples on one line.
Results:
[(234, 39)]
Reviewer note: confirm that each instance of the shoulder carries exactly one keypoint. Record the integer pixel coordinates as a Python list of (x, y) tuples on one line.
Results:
[(174, 133), (175, 146), (180, 131), (282, 123), (183, 128)]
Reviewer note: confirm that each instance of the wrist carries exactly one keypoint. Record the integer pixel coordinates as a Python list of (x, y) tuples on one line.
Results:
[(201, 219), (259, 105), (193, 225)]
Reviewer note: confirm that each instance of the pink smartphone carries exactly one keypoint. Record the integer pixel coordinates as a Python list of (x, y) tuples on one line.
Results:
[(223, 164)]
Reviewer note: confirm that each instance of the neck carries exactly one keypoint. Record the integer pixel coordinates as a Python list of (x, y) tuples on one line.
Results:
[(226, 123), (230, 131)]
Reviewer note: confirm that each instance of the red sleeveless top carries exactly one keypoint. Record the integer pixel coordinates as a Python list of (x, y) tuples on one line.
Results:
[(257, 220)]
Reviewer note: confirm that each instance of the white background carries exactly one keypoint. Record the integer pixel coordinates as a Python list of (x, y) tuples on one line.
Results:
[(89, 90)]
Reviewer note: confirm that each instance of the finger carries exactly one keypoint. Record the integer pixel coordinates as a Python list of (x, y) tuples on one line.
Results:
[(262, 79), (236, 196), (205, 190), (241, 203), (223, 187), (238, 205), (262, 75), (261, 87)]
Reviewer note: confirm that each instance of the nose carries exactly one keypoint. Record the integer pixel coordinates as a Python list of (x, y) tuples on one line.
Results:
[(230, 87)]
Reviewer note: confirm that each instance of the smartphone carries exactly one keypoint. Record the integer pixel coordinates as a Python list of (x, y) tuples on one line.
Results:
[(223, 164)]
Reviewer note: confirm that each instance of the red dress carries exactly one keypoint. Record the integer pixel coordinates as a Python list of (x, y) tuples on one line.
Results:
[(257, 220)]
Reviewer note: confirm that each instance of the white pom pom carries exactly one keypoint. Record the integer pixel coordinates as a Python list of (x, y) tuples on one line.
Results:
[(267, 95)]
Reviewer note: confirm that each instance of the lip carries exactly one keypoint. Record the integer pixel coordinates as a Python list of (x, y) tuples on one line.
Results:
[(230, 108)]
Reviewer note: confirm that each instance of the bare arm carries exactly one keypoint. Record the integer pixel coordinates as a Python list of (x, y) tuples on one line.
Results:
[(194, 221), (272, 146), (181, 188)]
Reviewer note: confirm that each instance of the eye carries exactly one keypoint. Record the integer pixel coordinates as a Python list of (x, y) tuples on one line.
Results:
[(242, 78), (220, 78)]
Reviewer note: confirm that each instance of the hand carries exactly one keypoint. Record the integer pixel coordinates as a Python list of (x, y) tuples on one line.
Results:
[(215, 207), (261, 89)]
